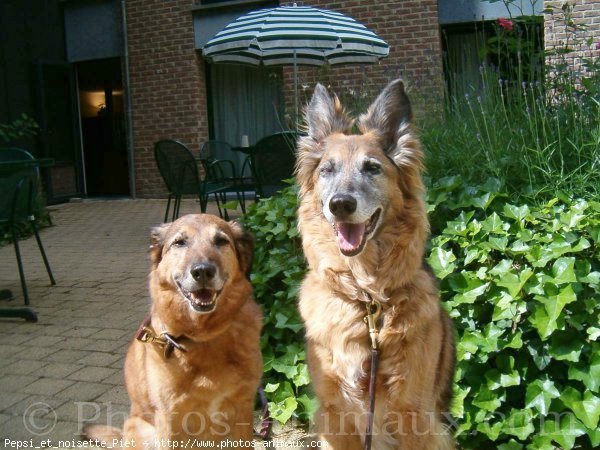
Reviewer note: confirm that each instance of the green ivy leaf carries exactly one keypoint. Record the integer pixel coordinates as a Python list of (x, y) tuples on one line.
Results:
[(491, 429), (487, 399), (498, 243), (303, 377), (566, 346), (539, 395), (586, 408), (511, 445), (441, 261), (457, 408), (310, 404), (516, 212), (563, 270), (593, 333), (493, 224), (513, 282), (588, 374), (283, 411), (564, 429), (545, 320), (519, 424), (290, 371), (271, 387)]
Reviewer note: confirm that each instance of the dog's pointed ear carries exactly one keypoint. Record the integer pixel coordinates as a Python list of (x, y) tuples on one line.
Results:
[(244, 246), (157, 241), (325, 115), (389, 117)]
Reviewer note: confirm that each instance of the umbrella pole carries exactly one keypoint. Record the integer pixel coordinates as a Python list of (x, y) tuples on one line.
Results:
[(295, 92)]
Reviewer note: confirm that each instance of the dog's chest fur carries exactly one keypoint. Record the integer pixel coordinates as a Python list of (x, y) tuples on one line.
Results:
[(194, 377)]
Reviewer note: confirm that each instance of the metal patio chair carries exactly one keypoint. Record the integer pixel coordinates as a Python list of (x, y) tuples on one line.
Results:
[(179, 170), (19, 188), (273, 160), (215, 153)]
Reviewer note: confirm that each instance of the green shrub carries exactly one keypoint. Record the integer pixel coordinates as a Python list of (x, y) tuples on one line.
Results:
[(22, 127), (522, 285), (277, 272), (536, 143), (531, 116)]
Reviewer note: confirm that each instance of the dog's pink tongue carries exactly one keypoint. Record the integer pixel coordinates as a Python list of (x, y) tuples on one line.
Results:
[(350, 236)]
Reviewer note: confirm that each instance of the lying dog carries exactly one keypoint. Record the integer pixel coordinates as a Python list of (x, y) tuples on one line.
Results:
[(195, 365), (364, 227)]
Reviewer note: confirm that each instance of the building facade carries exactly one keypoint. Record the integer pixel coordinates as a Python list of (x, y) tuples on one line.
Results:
[(123, 74)]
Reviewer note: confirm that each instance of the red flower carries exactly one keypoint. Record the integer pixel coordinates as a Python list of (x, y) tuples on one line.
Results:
[(597, 45), (506, 24)]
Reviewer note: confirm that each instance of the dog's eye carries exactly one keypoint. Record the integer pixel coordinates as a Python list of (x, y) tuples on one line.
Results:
[(371, 167), (326, 169), (180, 242), (220, 241)]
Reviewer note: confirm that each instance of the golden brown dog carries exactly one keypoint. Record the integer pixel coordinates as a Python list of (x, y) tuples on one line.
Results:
[(364, 228), (192, 373)]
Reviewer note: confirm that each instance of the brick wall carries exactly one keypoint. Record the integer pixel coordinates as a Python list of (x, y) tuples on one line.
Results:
[(167, 75), (411, 27), (167, 84), (583, 37)]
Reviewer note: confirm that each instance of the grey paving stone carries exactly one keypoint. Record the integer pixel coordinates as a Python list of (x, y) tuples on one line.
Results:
[(44, 341), (4, 418), (47, 386), (101, 359), (116, 379), (16, 383), (23, 428), (60, 370), (91, 373), (116, 394), (24, 367), (84, 391), (8, 399), (35, 403), (66, 356), (37, 353)]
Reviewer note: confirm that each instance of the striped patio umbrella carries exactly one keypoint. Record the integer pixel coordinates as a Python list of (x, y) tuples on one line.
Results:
[(298, 35)]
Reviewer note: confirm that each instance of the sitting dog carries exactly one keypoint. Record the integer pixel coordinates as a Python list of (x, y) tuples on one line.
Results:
[(364, 228), (193, 370)]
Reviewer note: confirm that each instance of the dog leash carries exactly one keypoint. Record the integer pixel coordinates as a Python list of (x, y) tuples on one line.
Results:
[(373, 312), (267, 422)]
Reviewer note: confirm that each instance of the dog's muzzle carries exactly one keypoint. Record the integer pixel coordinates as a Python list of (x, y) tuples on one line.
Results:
[(199, 288), (351, 235)]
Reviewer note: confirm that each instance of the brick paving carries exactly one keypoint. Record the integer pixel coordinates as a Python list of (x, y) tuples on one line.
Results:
[(66, 370)]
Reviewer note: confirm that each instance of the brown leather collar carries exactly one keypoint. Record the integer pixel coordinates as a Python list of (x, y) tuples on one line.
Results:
[(168, 342)]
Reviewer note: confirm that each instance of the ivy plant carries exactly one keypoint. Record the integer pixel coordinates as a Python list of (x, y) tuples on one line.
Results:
[(522, 284)]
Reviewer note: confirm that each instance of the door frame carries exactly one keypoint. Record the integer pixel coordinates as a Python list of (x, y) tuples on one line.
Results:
[(75, 127)]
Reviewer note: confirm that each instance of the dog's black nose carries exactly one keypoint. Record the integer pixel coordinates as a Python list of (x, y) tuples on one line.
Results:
[(342, 205), (203, 271)]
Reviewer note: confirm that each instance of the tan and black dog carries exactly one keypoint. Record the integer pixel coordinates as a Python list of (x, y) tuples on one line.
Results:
[(364, 227), (194, 368)]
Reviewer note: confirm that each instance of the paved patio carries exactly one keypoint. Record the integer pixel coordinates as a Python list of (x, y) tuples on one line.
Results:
[(66, 370)]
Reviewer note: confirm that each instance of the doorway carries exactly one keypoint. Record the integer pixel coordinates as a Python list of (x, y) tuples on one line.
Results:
[(103, 128)]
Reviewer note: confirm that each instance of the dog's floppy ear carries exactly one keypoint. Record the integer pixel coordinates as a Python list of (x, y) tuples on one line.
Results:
[(157, 240), (389, 117), (325, 115), (244, 246)]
